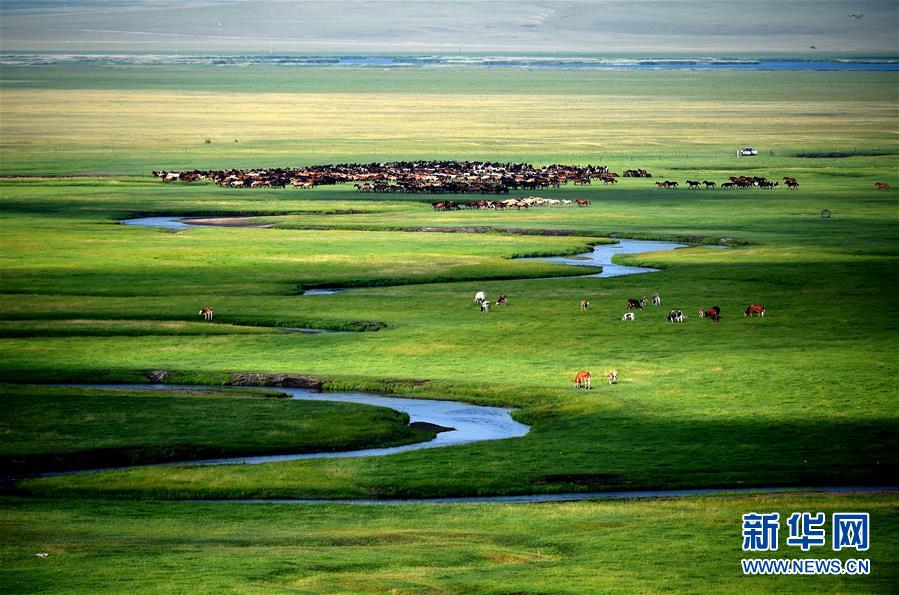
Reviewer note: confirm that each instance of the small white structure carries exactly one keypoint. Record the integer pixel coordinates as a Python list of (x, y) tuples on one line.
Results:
[(747, 152)]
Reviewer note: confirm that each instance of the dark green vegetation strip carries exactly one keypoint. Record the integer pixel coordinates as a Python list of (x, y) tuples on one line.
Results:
[(46, 428), (680, 545)]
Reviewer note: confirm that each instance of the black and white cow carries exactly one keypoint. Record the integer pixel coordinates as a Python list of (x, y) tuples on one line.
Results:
[(675, 316)]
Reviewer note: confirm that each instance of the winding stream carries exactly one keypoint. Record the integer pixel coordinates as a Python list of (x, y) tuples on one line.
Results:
[(468, 423), (600, 256)]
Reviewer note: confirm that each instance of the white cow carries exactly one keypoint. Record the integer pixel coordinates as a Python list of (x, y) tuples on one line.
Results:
[(480, 297), (656, 299), (485, 306), (628, 316)]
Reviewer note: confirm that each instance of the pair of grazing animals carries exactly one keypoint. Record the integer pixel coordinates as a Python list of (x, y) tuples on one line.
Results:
[(480, 299), (582, 379)]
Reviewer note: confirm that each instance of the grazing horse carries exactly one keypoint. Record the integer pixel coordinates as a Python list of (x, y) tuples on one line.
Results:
[(613, 377), (675, 316), (693, 183), (206, 313), (709, 184), (480, 297), (634, 304), (656, 299), (485, 306), (727, 185), (582, 380), (628, 316), (584, 304), (753, 309), (582, 202), (502, 300), (881, 186), (661, 185), (714, 313)]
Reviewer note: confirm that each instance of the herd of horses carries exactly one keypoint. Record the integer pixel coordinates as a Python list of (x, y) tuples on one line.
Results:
[(425, 177), (527, 202), (738, 182)]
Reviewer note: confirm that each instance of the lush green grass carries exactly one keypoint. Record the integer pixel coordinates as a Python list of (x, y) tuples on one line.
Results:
[(810, 415), (681, 545), (53, 428), (803, 396)]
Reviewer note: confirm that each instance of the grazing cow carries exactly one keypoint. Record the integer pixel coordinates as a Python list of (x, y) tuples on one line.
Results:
[(693, 184), (613, 377), (754, 309), (656, 299), (792, 184), (881, 186), (480, 297), (644, 300), (675, 316), (582, 202), (485, 306), (584, 304), (709, 184), (714, 313), (628, 316), (634, 304), (582, 380), (206, 313), (502, 300)]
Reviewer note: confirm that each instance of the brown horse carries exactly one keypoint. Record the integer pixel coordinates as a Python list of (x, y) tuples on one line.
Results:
[(753, 309), (582, 380), (582, 202)]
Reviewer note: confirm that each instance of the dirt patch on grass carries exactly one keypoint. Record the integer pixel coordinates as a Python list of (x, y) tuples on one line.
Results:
[(280, 380), (423, 425), (232, 222)]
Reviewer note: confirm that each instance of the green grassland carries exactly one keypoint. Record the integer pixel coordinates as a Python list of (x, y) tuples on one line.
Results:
[(682, 545), (805, 396), (55, 428)]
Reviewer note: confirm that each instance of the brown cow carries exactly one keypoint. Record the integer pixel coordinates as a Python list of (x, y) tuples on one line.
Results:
[(634, 304), (584, 304), (714, 313), (502, 300), (206, 313), (881, 186), (753, 309)]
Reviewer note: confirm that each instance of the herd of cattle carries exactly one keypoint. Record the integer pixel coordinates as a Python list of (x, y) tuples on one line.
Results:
[(582, 379), (427, 177)]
